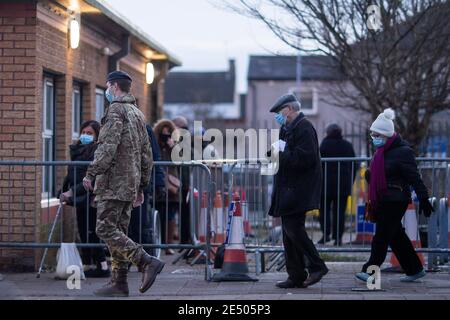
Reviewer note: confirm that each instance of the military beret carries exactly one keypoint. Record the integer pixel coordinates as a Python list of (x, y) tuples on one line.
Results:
[(118, 75), (287, 98)]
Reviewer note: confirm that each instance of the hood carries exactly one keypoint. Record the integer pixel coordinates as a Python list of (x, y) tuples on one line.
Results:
[(128, 98), (157, 129)]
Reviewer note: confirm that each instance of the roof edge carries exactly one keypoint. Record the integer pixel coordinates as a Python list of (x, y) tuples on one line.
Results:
[(117, 17)]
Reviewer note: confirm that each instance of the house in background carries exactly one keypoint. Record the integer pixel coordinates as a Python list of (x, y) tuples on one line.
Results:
[(203, 96), (269, 77)]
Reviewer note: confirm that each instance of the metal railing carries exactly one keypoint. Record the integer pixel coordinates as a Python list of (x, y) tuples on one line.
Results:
[(24, 220)]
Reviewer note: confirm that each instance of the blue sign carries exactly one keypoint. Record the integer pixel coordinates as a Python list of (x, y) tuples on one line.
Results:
[(362, 225)]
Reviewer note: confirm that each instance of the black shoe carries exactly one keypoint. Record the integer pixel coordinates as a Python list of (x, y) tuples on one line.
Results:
[(97, 273), (290, 284), (324, 240), (315, 277)]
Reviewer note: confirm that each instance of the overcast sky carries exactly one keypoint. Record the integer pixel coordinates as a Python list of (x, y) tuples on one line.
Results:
[(201, 35)]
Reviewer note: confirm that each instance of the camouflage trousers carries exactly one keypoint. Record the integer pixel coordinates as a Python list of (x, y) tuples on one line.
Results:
[(113, 219)]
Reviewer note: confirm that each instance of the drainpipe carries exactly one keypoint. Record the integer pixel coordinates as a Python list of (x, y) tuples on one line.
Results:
[(125, 45)]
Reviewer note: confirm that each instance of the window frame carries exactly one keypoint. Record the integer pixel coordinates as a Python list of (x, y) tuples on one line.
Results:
[(48, 134), (77, 89), (314, 97), (99, 91)]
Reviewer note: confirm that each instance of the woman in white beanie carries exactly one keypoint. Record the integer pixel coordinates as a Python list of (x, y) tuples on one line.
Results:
[(393, 171)]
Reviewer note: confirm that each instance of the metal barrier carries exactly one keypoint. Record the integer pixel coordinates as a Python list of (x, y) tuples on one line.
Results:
[(22, 202), (265, 236), (28, 193)]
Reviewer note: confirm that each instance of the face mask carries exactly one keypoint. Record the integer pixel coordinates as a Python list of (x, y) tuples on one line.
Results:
[(280, 119), (378, 142), (109, 96), (86, 139)]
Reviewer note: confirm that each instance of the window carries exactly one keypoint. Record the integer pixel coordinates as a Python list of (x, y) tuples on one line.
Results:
[(308, 99), (99, 104), (76, 111), (48, 133)]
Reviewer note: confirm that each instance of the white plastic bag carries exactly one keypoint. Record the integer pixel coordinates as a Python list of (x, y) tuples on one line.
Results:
[(68, 258)]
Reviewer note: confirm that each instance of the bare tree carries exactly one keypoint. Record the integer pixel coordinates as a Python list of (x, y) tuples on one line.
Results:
[(403, 63)]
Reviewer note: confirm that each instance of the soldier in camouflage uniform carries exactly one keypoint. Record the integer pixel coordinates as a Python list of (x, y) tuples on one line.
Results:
[(121, 168)]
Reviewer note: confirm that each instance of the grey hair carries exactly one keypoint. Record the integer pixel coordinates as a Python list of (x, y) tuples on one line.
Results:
[(296, 105)]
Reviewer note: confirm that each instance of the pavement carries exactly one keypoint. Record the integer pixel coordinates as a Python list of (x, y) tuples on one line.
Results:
[(183, 282)]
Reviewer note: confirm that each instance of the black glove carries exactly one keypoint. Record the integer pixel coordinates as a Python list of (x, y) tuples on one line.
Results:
[(425, 207)]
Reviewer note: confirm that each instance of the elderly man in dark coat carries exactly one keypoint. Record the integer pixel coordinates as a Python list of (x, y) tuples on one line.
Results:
[(297, 190)]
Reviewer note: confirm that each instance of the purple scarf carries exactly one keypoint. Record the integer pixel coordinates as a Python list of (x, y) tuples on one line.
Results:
[(378, 184)]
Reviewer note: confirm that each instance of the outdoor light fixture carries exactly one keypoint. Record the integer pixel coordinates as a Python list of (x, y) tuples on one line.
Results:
[(74, 28), (150, 73)]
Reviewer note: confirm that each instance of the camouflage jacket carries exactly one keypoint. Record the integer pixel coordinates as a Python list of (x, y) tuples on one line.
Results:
[(123, 160)]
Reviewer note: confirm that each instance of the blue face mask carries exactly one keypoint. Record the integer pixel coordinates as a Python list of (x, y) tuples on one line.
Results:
[(378, 142), (86, 139), (280, 119), (109, 96)]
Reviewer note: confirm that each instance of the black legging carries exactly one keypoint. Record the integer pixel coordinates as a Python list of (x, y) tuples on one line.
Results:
[(390, 232), (86, 228)]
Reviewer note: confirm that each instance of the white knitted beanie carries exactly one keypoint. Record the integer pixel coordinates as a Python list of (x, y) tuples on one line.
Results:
[(384, 124)]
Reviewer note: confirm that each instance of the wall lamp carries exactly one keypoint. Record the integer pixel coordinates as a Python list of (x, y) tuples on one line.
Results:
[(149, 73), (74, 31)]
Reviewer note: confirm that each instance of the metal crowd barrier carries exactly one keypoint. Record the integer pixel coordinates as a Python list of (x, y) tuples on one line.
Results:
[(263, 236), (25, 208)]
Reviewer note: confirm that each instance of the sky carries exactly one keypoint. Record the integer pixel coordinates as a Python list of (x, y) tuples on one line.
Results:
[(203, 36)]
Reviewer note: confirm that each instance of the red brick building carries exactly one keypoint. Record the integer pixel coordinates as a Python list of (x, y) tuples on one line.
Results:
[(49, 85)]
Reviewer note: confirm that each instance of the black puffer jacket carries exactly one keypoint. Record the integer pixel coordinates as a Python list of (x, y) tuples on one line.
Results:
[(401, 173), (297, 185), (75, 174)]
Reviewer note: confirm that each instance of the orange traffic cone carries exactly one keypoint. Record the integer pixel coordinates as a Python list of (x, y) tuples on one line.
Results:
[(219, 219), (234, 266), (410, 225), (247, 226)]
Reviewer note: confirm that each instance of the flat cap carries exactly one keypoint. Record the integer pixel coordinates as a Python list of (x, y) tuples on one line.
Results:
[(287, 98), (118, 75)]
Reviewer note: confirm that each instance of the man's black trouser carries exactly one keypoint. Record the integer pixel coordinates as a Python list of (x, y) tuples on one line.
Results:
[(86, 222), (297, 245), (329, 207), (390, 232)]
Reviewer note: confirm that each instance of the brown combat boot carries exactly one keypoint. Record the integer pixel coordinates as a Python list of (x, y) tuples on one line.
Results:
[(150, 268), (116, 287)]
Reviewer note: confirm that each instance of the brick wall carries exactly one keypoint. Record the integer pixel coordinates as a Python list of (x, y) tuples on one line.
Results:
[(31, 47), (17, 128)]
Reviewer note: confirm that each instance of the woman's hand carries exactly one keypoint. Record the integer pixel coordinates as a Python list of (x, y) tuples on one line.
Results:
[(65, 196)]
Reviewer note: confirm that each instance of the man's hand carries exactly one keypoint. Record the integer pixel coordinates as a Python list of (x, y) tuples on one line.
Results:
[(87, 184), (425, 207), (139, 200)]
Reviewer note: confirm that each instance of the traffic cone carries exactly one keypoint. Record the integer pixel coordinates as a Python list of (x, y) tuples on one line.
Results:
[(410, 225), (247, 226), (235, 266), (219, 219)]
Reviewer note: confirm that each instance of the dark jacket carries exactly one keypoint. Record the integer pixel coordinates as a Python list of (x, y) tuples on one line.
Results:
[(401, 173), (75, 174), (159, 173), (297, 184), (334, 146)]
